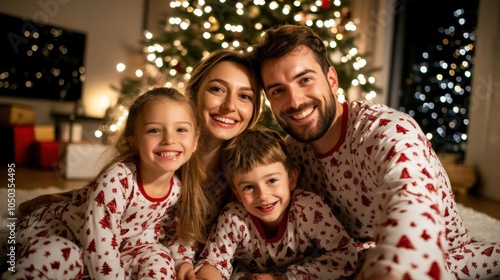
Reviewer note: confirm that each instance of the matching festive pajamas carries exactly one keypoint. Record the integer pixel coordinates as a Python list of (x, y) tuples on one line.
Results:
[(111, 227), (386, 186), (310, 243), (219, 193), (383, 182)]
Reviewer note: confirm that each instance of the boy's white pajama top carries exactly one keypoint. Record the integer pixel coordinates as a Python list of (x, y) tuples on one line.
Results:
[(310, 243)]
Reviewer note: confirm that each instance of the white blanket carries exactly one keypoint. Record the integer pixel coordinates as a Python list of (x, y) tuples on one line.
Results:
[(481, 226)]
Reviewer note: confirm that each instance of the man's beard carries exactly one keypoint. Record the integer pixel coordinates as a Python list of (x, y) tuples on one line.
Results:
[(311, 133)]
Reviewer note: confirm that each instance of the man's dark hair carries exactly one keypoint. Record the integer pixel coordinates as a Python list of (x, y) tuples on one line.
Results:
[(281, 40)]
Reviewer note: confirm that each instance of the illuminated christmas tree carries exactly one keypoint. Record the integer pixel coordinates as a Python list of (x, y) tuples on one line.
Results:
[(438, 85), (195, 28)]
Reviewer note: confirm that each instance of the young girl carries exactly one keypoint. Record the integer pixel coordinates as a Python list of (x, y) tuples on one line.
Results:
[(113, 223), (275, 229)]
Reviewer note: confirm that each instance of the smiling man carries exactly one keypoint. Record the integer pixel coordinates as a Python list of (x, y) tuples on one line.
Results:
[(372, 164)]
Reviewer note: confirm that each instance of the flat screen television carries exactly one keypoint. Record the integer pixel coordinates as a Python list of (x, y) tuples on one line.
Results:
[(40, 61)]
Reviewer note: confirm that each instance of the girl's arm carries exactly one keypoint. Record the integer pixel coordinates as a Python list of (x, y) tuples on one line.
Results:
[(186, 272), (221, 246), (208, 272), (102, 238), (182, 252)]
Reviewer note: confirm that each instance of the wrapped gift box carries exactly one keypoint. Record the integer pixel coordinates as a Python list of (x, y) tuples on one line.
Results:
[(45, 133), (46, 154), (16, 114), (83, 160), (16, 144)]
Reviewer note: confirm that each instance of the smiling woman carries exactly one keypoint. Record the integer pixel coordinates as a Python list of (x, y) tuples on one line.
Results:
[(227, 100)]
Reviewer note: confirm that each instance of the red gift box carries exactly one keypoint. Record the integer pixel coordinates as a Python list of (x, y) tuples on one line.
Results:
[(16, 114), (16, 144), (47, 154)]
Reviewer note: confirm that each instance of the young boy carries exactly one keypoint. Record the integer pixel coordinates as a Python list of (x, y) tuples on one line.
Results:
[(274, 228)]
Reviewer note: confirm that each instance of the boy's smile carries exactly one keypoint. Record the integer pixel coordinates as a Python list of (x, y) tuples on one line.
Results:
[(265, 192)]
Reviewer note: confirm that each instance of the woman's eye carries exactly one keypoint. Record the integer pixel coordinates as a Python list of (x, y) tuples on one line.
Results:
[(246, 96), (215, 89)]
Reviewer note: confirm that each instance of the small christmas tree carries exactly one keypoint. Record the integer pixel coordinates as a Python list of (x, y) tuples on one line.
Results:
[(438, 87)]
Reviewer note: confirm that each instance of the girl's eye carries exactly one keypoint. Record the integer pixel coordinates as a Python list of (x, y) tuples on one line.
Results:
[(247, 188), (181, 129), (154, 130)]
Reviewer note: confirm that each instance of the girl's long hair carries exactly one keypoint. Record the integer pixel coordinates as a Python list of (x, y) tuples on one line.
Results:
[(193, 205)]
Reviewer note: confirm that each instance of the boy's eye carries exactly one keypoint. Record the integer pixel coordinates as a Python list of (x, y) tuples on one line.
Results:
[(272, 181)]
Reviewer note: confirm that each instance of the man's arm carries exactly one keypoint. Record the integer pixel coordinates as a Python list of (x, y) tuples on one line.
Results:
[(411, 190)]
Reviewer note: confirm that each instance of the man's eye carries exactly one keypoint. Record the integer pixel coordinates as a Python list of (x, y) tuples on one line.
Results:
[(305, 80), (277, 92)]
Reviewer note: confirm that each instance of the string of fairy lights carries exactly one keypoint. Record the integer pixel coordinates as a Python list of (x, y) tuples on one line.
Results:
[(440, 85), (196, 27), (440, 81)]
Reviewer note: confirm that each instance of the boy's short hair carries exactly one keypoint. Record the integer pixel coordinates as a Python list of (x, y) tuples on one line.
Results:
[(255, 147)]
